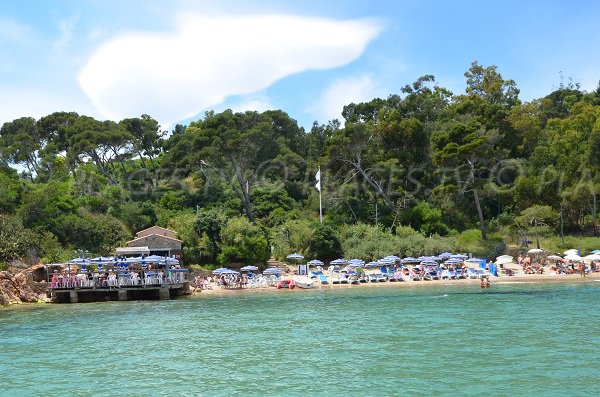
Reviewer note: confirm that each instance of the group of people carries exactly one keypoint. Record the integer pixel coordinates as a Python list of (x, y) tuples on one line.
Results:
[(114, 278)]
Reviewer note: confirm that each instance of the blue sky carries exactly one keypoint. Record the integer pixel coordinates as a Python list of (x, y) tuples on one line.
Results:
[(176, 59)]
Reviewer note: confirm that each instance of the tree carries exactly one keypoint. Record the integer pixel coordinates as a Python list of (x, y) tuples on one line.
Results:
[(243, 242), (239, 148), (325, 243), (210, 222), (465, 152), (20, 143), (146, 138), (537, 220)]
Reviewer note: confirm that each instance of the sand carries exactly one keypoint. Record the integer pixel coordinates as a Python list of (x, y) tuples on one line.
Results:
[(530, 278)]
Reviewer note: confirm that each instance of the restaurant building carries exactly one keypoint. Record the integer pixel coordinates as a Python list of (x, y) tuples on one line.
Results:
[(155, 240)]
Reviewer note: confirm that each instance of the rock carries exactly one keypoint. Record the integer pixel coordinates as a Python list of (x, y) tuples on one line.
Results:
[(19, 288)]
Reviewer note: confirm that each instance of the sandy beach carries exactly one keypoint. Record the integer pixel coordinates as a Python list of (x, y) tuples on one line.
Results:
[(519, 279)]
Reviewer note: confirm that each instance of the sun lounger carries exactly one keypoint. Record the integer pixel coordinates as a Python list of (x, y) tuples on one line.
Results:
[(323, 279)]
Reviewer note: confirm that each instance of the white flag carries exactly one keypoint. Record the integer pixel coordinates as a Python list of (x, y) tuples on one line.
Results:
[(318, 178)]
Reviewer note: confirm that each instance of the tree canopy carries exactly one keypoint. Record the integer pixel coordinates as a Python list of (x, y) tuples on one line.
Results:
[(406, 174)]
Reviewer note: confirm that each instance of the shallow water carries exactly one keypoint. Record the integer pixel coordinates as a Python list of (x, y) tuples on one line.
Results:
[(513, 339)]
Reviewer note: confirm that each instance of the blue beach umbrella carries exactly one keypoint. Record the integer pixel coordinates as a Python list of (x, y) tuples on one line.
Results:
[(315, 262), (79, 261), (295, 256), (338, 262), (219, 270), (272, 270), (249, 268)]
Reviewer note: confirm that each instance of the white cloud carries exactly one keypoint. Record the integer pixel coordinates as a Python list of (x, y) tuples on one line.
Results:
[(342, 92), (16, 103), (173, 76), (254, 102)]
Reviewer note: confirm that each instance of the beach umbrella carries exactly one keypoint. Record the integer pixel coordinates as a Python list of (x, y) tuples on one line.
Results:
[(573, 258), (459, 256), (502, 257), (386, 261), (102, 260), (315, 262), (219, 270), (572, 251), (592, 257), (452, 261), (475, 260), (372, 264), (79, 261), (295, 256), (535, 251), (172, 261), (392, 257), (338, 262), (410, 259), (502, 261), (155, 259), (596, 252), (272, 270), (554, 257), (355, 265), (445, 255), (249, 268), (429, 263)]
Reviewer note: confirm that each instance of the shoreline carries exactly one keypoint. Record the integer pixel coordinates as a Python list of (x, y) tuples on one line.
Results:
[(521, 279)]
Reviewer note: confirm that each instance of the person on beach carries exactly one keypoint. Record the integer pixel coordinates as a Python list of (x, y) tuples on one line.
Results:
[(488, 283), (582, 269), (481, 283)]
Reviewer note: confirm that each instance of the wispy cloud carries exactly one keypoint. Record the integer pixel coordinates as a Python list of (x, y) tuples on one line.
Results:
[(66, 26), (342, 92), (176, 75), (13, 31)]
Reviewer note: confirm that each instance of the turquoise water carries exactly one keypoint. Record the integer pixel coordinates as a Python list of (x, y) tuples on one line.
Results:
[(519, 339)]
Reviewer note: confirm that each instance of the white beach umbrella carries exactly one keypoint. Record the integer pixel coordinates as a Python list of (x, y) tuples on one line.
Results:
[(535, 251), (504, 257), (502, 261), (571, 251), (554, 257), (573, 258), (592, 257)]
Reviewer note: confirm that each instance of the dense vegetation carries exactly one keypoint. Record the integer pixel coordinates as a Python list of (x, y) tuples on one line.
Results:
[(422, 171)]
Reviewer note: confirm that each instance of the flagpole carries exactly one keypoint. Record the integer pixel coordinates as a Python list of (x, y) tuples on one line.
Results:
[(320, 200)]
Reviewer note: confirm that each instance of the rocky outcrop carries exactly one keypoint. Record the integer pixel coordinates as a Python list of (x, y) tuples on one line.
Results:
[(20, 288)]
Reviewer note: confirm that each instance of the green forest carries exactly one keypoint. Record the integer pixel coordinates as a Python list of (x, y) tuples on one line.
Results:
[(422, 171)]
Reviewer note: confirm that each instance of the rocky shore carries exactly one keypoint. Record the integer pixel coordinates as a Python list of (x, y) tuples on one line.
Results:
[(19, 287)]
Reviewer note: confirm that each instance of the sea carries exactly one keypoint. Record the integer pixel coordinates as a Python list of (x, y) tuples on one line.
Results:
[(458, 340)]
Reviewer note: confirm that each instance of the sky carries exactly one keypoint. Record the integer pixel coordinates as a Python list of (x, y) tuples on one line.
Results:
[(177, 59)]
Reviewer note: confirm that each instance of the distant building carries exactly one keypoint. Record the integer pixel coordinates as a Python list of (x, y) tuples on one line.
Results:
[(155, 240)]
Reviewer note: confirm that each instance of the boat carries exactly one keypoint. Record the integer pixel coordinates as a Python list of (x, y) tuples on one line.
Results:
[(303, 282), (287, 283)]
